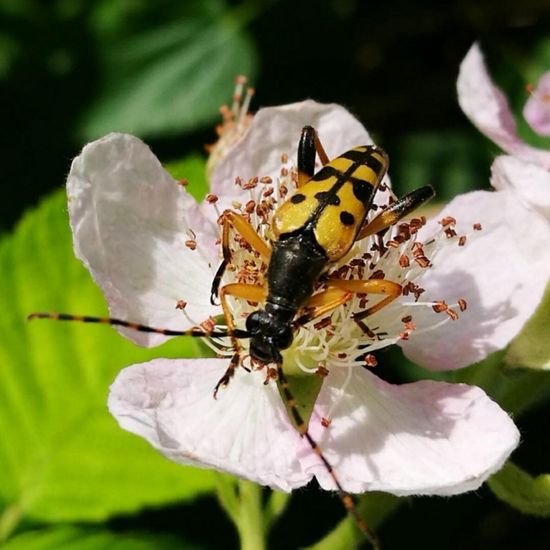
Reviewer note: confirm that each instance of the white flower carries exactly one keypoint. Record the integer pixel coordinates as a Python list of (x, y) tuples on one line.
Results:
[(130, 222), (522, 179), (487, 107)]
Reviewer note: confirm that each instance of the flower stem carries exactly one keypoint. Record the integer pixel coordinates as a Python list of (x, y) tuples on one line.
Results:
[(242, 502), (275, 507), (251, 526), (227, 496)]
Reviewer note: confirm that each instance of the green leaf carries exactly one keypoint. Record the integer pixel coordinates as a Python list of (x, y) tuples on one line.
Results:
[(88, 538), (531, 348), (174, 77), (530, 495), (63, 457), (193, 169)]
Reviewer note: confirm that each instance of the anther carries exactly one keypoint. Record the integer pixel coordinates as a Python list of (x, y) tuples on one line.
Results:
[(422, 261), (449, 220), (370, 360), (321, 372), (209, 325), (404, 261), (440, 306), (323, 323)]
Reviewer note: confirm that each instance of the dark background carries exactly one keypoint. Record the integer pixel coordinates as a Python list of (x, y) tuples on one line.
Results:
[(393, 64)]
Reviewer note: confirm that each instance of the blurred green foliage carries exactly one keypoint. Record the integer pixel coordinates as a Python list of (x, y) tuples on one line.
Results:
[(73, 69), (531, 495), (531, 348), (69, 538), (63, 456)]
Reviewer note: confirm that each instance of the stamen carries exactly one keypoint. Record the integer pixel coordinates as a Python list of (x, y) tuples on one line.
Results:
[(341, 392)]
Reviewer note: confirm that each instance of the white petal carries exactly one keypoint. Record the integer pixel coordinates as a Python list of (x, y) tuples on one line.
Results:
[(501, 272), (276, 130), (245, 431), (528, 180), (130, 223), (487, 107), (425, 438)]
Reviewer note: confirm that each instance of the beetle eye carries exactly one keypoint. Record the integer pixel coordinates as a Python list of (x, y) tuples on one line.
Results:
[(284, 339)]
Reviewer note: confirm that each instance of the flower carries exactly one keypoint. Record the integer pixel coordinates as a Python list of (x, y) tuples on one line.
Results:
[(522, 178), (537, 109), (488, 109), (130, 223)]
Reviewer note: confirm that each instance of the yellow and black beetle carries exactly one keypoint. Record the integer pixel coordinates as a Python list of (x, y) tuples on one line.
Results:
[(315, 227)]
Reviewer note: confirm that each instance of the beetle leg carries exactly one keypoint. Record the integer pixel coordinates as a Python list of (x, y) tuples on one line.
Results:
[(321, 304), (370, 286), (232, 220), (396, 211), (308, 146), (253, 293)]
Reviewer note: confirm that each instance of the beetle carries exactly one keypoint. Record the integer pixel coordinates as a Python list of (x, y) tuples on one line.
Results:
[(312, 230)]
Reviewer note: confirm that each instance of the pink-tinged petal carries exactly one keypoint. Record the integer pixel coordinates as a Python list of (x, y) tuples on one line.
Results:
[(528, 180), (245, 431), (501, 272), (537, 108), (130, 224), (277, 130), (488, 109), (425, 438)]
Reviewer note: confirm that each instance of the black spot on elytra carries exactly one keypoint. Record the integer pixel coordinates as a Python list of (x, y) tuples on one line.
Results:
[(298, 198), (327, 197), (361, 190), (347, 218)]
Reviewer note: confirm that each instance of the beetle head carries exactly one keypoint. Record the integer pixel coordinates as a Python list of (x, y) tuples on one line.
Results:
[(268, 336)]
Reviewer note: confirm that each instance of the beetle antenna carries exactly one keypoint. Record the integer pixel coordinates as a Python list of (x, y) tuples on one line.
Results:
[(195, 331), (345, 497)]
